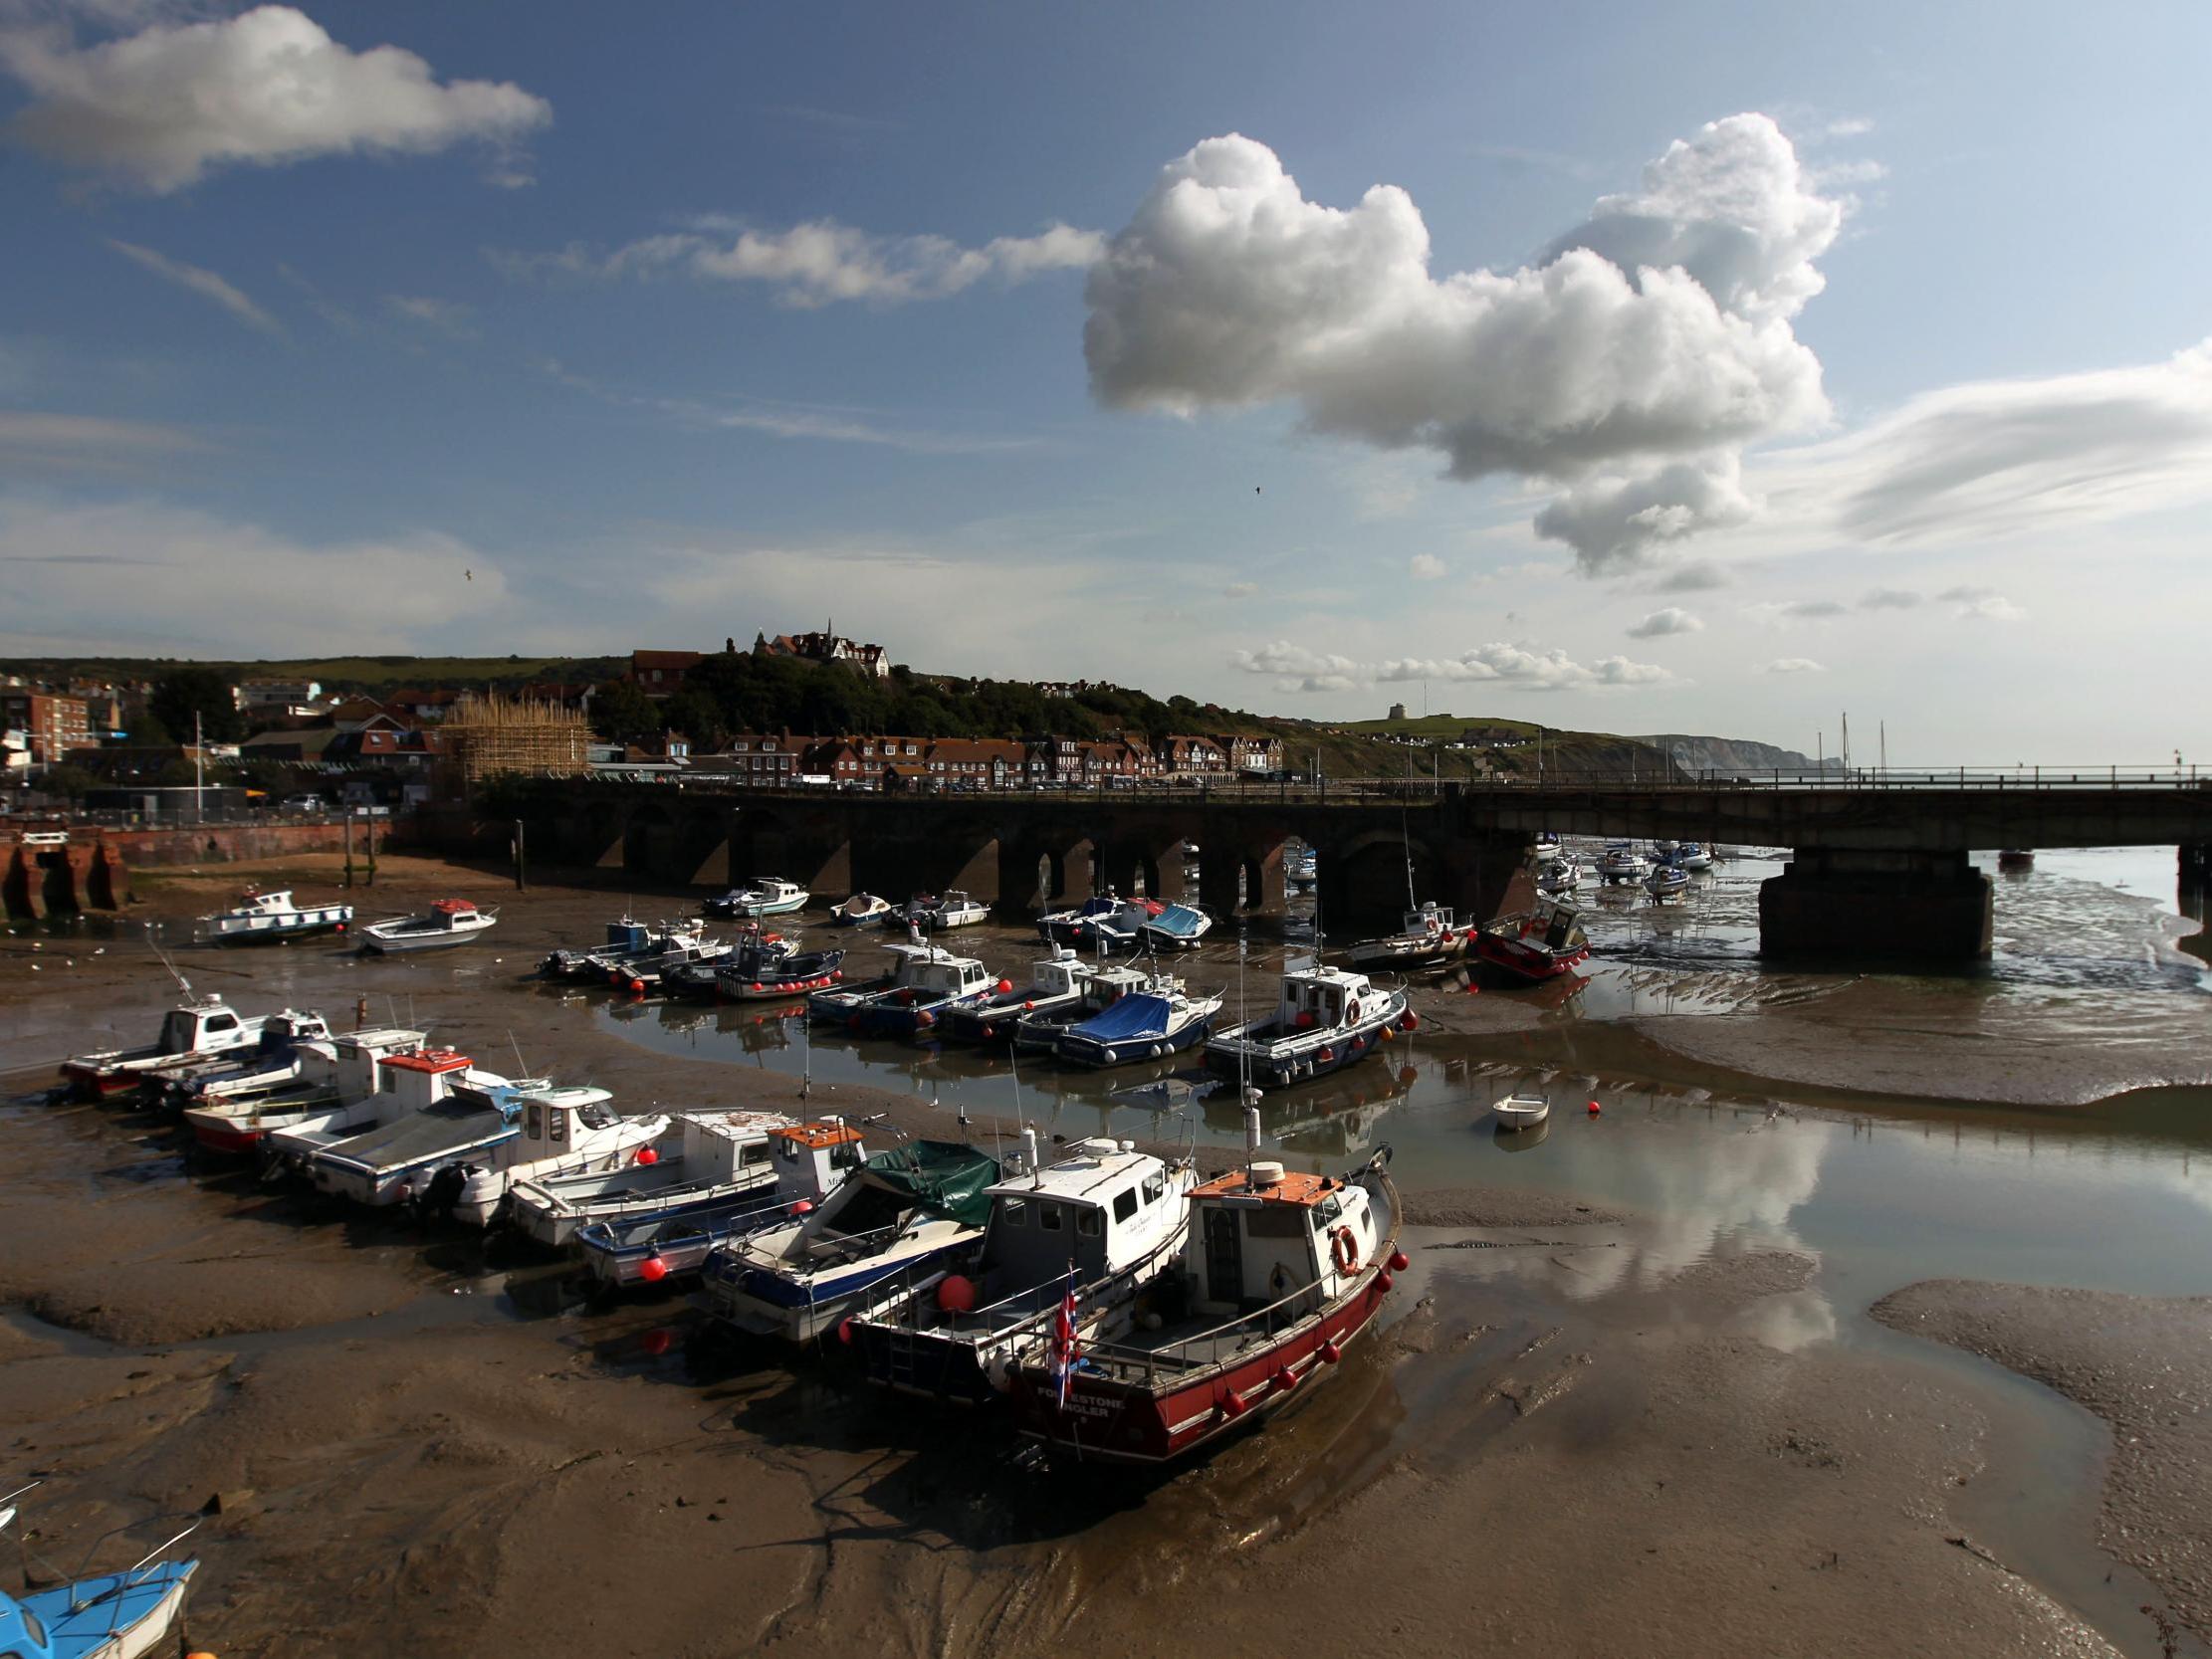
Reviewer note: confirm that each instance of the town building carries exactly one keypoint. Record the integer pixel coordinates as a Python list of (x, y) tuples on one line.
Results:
[(825, 648), (278, 697), (52, 725), (661, 672)]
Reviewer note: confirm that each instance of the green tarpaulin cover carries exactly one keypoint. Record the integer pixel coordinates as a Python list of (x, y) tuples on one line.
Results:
[(944, 1176)]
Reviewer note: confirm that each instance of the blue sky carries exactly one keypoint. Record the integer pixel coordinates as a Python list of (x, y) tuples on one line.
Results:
[(1823, 362)]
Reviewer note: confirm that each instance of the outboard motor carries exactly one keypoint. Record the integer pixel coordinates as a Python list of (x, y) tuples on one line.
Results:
[(444, 1192)]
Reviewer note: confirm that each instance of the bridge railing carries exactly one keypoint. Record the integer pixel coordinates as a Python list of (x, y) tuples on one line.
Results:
[(1651, 780)]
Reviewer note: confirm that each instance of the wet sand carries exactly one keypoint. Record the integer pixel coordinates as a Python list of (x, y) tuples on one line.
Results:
[(2144, 1367), (425, 1445)]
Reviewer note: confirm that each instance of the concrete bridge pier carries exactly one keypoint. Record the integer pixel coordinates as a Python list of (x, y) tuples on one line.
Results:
[(1831, 901), (2195, 898)]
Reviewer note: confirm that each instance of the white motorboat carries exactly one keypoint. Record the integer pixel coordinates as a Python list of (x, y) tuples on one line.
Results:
[(1692, 856), (1177, 927), (1157, 1020), (860, 910), (447, 923), (1326, 1019), (564, 1131), (197, 1029), (1425, 937), (1667, 881), (261, 918), (953, 910), (763, 895), (1560, 876), (1093, 1230), (1517, 1112), (710, 1159), (1623, 863), (341, 1088)]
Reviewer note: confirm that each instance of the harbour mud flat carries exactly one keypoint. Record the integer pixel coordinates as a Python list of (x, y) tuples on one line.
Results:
[(1575, 1435)]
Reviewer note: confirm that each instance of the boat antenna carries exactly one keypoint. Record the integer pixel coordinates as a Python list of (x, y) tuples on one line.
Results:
[(522, 1066), (183, 984), (1405, 840)]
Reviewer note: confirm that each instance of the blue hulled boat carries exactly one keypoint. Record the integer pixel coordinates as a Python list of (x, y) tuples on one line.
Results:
[(1159, 1020)]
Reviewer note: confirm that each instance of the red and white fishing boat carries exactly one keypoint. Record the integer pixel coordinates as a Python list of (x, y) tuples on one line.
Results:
[(1194, 1358), (1534, 946)]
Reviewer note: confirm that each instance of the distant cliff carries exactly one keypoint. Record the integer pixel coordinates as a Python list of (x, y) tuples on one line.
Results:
[(1732, 755)]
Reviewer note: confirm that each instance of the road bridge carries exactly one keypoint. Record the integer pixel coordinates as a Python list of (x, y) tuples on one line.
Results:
[(1878, 863)]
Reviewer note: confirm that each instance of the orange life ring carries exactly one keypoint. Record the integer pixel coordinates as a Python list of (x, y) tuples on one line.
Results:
[(1344, 1250), (1351, 1009)]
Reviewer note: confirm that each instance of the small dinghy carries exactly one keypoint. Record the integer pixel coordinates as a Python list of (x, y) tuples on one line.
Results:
[(447, 923), (862, 910), (1518, 1112)]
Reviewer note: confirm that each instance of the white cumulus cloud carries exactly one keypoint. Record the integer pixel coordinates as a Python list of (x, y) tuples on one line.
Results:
[(1672, 620), (162, 108), (1296, 667), (822, 262), (1633, 360), (1792, 665), (1981, 604), (1425, 567), (1888, 599)]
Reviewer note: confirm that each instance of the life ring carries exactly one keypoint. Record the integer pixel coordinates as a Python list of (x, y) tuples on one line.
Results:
[(1351, 1009), (1344, 1250)]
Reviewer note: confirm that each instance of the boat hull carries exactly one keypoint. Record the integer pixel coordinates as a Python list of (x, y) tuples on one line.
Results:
[(1531, 965), (1088, 1052), (401, 944), (1133, 1421), (798, 1309)]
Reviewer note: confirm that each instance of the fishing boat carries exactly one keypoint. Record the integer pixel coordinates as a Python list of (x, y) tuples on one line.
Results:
[(339, 1089), (446, 924), (1667, 881), (264, 918), (1325, 1019), (1519, 1111), (1285, 1271), (273, 1063), (1076, 1240), (1176, 928), (1039, 1030), (425, 1158), (642, 973), (1694, 856), (1560, 876), (1535, 944), (754, 975), (653, 1243), (762, 896), (110, 1615), (1069, 925), (1159, 1020), (625, 940), (940, 984), (862, 910), (564, 1131), (853, 1254), (1055, 982), (933, 914), (1427, 937), (1621, 862), (198, 1028), (709, 1158), (2017, 858)]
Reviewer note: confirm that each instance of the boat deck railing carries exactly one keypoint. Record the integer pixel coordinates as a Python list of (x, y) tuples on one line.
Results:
[(1127, 1362), (127, 1578)]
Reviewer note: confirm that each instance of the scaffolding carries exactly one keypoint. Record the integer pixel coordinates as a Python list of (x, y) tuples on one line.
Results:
[(490, 736)]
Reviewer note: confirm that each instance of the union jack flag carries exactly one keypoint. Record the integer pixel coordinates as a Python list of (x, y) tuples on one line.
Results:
[(1065, 1348)]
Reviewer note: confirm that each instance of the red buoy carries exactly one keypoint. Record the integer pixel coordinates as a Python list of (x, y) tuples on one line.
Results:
[(1400, 1261), (1411, 1021), (1284, 1381), (657, 1341), (1005, 987), (1233, 1405), (1383, 1280), (844, 1331), (806, 1206), (956, 1293), (647, 1156), (1595, 1109), (1330, 1353), (652, 1270)]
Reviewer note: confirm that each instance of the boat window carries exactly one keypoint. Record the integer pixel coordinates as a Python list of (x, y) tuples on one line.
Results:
[(1327, 1211), (1154, 1185), (1048, 1218), (1090, 1223), (533, 1121), (33, 1627), (755, 1152), (222, 1022), (1124, 1204), (1015, 1212), (845, 1155), (789, 1151), (391, 1080), (596, 1115), (557, 1123), (1275, 1221)]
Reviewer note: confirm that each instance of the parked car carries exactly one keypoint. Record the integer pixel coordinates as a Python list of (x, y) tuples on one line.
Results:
[(302, 803)]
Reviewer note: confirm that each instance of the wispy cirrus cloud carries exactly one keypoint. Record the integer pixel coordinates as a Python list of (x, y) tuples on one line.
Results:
[(1521, 667), (198, 280), (820, 263)]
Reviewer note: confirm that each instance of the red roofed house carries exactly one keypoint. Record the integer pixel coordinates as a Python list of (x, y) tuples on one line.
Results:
[(661, 672)]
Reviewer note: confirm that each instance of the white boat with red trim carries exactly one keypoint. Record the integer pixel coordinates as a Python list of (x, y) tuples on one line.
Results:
[(446, 924), (1283, 1272), (1536, 944)]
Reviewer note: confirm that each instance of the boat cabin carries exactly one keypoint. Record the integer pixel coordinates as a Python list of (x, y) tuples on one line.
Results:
[(1324, 998), (723, 1146), (202, 1026), (1431, 920), (1264, 1233), (552, 1117), (448, 912), (1057, 974), (812, 1159), (938, 974), (1102, 1206)]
